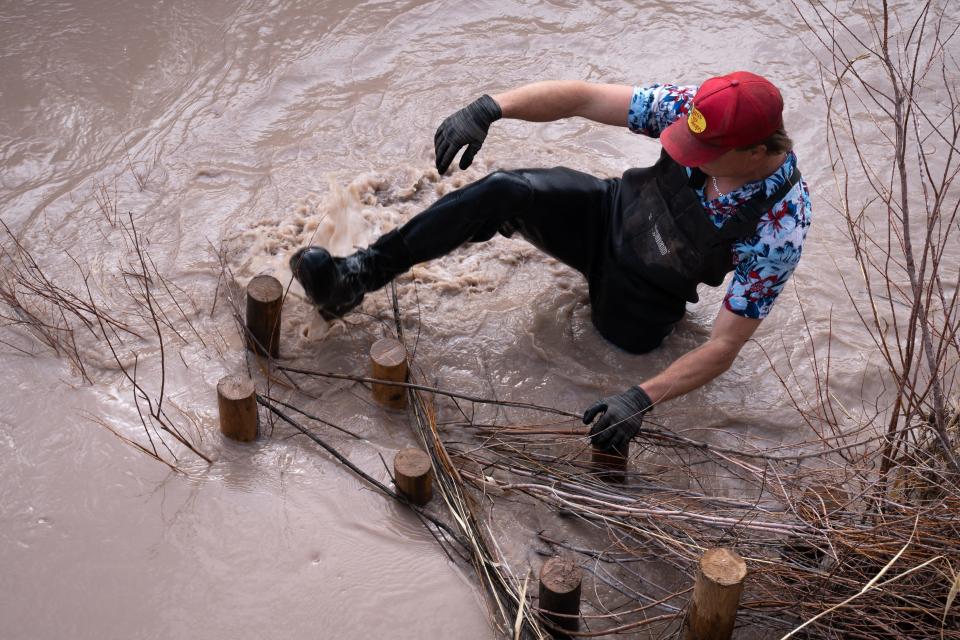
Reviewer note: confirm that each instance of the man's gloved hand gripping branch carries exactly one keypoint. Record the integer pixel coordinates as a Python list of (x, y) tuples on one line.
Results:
[(621, 417)]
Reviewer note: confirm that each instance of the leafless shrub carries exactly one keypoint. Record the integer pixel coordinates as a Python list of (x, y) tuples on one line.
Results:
[(890, 86), (140, 315), (106, 198)]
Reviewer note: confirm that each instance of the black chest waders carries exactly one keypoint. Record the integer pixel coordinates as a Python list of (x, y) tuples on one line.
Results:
[(644, 242), (662, 244)]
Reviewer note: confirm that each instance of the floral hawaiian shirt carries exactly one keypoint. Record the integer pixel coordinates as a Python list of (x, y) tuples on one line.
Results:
[(764, 262)]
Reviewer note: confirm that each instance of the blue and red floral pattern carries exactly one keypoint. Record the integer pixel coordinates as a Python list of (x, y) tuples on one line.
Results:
[(764, 262)]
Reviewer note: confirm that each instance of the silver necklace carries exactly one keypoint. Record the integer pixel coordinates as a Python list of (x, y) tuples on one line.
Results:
[(717, 187)]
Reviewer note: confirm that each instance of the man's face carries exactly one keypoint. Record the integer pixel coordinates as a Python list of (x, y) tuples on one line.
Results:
[(736, 163)]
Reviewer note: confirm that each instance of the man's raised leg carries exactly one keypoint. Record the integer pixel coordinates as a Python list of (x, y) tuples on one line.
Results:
[(559, 210)]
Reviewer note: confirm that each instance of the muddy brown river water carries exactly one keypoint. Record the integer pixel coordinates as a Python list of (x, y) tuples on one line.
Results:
[(247, 129)]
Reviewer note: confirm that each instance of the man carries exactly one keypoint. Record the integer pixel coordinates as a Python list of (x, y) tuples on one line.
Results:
[(725, 196)]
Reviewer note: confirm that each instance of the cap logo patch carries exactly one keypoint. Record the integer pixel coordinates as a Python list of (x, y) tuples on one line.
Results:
[(696, 121)]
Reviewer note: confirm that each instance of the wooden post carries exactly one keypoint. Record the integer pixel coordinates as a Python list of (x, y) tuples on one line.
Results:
[(560, 580), (716, 596), (389, 362), (264, 302), (413, 475), (611, 464), (237, 400)]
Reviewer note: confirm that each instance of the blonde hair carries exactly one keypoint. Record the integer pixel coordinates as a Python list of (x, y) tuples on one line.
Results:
[(776, 143)]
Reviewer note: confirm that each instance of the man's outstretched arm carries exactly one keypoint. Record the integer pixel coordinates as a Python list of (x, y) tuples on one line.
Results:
[(537, 102), (622, 414), (701, 365), (557, 99)]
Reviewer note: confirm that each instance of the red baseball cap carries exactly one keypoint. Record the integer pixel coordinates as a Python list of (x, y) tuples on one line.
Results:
[(731, 111)]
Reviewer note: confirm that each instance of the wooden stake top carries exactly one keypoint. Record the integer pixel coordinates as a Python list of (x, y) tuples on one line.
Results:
[(412, 463), (388, 352), (235, 387), (723, 566), (560, 575), (265, 289)]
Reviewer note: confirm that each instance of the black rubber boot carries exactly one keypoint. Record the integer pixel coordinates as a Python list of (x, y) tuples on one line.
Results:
[(337, 285)]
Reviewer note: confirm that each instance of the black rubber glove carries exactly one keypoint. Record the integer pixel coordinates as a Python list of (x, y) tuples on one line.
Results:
[(621, 419), (468, 127)]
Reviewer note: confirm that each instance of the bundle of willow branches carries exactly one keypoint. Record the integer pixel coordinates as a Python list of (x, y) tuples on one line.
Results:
[(831, 553)]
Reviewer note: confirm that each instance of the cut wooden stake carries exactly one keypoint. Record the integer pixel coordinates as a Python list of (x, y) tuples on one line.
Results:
[(560, 580), (264, 302), (611, 464), (413, 475), (716, 595), (388, 358), (237, 400)]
